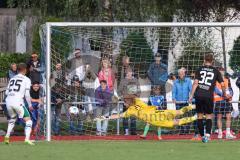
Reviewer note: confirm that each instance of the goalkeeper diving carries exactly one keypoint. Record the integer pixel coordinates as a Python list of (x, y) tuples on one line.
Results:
[(151, 115)]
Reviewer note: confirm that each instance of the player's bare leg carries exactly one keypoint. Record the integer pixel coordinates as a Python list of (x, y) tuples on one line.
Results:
[(228, 125), (219, 124)]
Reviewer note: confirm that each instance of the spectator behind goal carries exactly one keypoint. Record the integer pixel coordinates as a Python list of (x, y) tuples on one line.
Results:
[(129, 86), (103, 96), (37, 95), (106, 73), (223, 106), (35, 69), (12, 71), (157, 72)]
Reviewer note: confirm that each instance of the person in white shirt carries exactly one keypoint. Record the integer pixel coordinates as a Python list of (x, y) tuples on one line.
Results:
[(18, 88), (168, 89)]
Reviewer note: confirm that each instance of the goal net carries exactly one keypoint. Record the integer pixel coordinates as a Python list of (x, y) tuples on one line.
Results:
[(79, 57)]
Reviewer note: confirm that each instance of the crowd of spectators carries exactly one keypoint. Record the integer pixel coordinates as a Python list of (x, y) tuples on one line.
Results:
[(76, 86)]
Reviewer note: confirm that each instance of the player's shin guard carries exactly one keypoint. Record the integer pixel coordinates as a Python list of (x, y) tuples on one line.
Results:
[(146, 130), (11, 124), (159, 131), (200, 127), (28, 129), (208, 126)]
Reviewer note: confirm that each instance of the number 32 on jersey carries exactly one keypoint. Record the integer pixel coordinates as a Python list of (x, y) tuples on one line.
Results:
[(206, 77)]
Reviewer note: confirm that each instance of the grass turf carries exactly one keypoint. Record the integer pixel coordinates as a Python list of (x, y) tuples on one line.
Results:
[(128, 150)]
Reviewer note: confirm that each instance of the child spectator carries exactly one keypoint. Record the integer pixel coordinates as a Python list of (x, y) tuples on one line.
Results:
[(158, 100), (103, 96), (223, 106), (36, 93)]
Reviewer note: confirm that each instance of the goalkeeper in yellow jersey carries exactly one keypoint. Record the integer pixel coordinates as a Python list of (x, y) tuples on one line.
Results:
[(153, 116)]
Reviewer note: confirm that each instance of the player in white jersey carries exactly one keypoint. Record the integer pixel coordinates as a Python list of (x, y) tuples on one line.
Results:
[(18, 89)]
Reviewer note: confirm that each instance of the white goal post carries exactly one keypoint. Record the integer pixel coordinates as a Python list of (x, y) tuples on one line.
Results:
[(49, 26)]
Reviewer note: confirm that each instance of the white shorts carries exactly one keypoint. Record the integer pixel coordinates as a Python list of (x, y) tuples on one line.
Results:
[(17, 109)]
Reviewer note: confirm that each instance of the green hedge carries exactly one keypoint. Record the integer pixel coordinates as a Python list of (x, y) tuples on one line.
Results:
[(7, 58), (235, 56)]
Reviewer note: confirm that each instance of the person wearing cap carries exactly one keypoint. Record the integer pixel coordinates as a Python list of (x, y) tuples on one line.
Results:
[(223, 106), (103, 97), (157, 72), (35, 68), (75, 65)]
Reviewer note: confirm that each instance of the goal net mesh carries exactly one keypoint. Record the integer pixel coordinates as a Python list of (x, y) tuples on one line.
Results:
[(83, 56)]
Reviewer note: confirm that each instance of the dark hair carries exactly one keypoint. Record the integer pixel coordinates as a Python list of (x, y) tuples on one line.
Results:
[(75, 78), (21, 67), (103, 81), (171, 75), (35, 82), (209, 57)]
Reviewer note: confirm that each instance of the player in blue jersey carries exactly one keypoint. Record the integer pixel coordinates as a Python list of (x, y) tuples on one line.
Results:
[(158, 100)]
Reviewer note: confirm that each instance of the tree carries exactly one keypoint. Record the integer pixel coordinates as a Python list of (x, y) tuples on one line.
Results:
[(193, 53), (136, 47), (211, 11), (235, 56)]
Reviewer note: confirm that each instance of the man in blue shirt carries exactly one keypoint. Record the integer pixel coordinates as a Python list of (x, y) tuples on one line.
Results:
[(181, 90), (157, 72)]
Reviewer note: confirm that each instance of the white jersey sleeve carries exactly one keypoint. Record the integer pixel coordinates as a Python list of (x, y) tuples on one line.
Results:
[(27, 91)]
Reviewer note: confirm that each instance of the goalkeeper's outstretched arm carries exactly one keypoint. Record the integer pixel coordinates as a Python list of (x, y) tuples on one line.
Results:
[(116, 116), (112, 117)]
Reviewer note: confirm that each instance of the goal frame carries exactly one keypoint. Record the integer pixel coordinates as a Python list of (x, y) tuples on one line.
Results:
[(49, 26)]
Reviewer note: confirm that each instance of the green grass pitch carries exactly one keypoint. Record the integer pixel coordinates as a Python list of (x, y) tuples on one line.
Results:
[(121, 150)]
